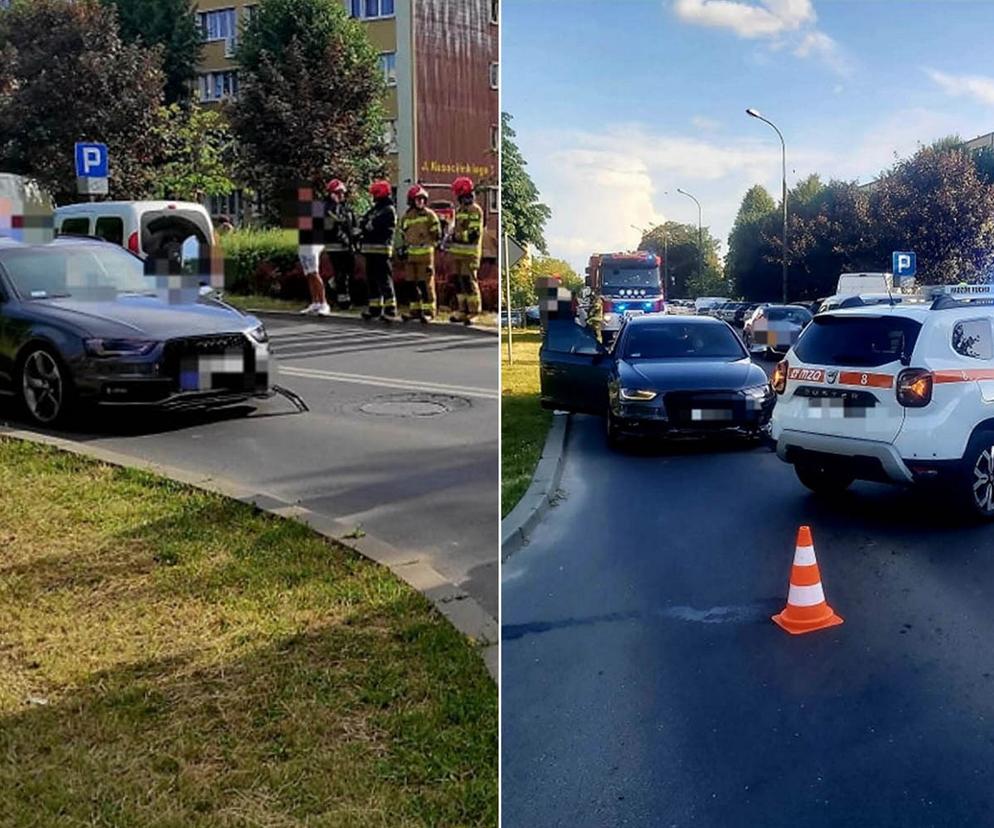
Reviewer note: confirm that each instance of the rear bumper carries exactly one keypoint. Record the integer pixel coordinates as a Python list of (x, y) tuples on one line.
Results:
[(865, 459)]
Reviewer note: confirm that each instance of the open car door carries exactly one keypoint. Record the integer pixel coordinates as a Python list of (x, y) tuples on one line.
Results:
[(574, 368)]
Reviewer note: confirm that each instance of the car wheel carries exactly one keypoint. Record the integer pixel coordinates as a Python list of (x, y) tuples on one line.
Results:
[(977, 488), (822, 479), (46, 390), (613, 433)]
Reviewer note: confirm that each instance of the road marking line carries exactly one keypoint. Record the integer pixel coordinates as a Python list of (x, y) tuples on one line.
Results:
[(387, 382)]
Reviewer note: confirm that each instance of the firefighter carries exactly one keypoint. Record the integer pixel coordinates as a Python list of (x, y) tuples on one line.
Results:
[(340, 232), (466, 248), (422, 232), (595, 313), (377, 228)]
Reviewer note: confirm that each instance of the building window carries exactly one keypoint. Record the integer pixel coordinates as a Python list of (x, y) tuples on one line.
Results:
[(390, 135), (220, 24), (250, 12), (494, 137), (370, 9), (4, 4), (494, 74), (493, 195), (388, 64), (495, 11), (218, 86)]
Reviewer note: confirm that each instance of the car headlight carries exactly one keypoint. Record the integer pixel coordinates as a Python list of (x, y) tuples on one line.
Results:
[(637, 394), (259, 334), (119, 347), (758, 392)]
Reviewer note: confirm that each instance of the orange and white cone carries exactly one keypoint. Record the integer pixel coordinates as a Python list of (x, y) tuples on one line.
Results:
[(806, 609)]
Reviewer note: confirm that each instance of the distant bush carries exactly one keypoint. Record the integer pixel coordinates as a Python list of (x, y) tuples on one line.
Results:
[(263, 262)]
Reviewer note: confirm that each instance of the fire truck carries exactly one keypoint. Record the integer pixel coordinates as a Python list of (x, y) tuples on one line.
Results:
[(629, 284)]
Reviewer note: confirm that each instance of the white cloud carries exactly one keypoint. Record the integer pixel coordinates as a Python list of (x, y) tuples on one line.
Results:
[(707, 124), (749, 20), (978, 87), (783, 23)]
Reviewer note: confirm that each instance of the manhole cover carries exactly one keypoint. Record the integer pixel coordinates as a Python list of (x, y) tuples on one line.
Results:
[(413, 405)]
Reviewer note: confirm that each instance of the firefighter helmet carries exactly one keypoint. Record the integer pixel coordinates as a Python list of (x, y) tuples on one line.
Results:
[(380, 189), (416, 192), (462, 186), (335, 186)]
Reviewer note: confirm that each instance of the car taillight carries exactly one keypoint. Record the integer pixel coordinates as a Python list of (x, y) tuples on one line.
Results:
[(914, 387), (779, 380), (133, 243)]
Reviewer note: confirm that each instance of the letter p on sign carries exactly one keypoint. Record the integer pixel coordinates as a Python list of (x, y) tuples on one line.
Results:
[(91, 160), (904, 264)]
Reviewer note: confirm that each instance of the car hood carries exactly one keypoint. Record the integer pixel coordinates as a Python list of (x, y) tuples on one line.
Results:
[(143, 316), (690, 375)]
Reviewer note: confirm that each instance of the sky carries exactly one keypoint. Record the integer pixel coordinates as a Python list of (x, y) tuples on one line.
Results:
[(617, 103)]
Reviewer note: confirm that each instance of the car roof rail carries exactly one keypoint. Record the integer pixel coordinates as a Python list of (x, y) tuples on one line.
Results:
[(945, 297)]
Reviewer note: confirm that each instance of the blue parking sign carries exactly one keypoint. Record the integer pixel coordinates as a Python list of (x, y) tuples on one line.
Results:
[(905, 264), (91, 160)]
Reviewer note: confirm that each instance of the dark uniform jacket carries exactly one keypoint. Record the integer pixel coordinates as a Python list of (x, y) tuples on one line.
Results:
[(340, 229), (378, 226)]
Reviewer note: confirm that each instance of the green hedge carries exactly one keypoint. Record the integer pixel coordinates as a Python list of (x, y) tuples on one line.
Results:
[(260, 261)]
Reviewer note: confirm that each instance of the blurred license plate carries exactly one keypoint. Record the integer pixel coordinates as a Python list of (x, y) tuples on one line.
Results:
[(700, 414), (208, 372), (631, 313)]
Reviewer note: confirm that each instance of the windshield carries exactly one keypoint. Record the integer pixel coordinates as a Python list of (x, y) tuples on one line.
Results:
[(797, 316), (860, 341), (673, 340), (628, 277), (78, 272)]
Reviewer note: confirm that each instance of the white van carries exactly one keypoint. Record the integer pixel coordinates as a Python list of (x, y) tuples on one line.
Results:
[(146, 228), (25, 210), (853, 284)]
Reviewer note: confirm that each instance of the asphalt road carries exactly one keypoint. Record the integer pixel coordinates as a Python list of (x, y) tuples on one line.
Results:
[(644, 683), (401, 438)]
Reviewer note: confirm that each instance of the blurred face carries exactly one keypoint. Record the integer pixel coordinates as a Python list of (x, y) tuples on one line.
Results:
[(421, 201), (337, 196)]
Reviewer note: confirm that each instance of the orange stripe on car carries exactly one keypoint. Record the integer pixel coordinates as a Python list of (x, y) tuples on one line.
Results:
[(970, 375), (863, 379)]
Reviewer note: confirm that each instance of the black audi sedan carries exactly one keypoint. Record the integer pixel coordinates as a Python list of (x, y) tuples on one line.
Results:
[(664, 376), (82, 323)]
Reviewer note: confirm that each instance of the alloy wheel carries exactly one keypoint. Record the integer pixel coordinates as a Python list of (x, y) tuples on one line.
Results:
[(983, 480), (42, 386)]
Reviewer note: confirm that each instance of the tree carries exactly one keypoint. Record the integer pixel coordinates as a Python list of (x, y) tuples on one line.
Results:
[(747, 267), (65, 76), (530, 268), (310, 101), (172, 25), (680, 242), (523, 216), (937, 204), (197, 153)]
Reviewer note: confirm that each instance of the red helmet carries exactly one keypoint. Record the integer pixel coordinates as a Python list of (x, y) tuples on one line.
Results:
[(462, 186), (416, 192), (380, 189), (335, 186)]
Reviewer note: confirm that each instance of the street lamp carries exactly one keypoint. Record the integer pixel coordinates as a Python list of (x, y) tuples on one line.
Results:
[(700, 235), (666, 250), (752, 113)]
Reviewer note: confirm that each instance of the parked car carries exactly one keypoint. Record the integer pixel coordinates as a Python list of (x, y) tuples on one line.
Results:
[(82, 324), (743, 312), (703, 305), (172, 230), (772, 329), (533, 316), (893, 393), (517, 319), (665, 376)]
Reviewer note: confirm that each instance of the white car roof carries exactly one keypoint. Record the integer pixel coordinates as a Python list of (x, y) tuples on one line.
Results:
[(138, 206)]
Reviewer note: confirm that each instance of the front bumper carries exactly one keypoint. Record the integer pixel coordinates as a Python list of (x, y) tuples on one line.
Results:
[(864, 459), (725, 413)]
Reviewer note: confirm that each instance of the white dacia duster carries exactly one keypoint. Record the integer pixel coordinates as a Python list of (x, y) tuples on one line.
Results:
[(900, 393)]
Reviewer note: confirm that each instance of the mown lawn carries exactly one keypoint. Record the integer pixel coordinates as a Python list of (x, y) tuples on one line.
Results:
[(172, 658), (524, 425)]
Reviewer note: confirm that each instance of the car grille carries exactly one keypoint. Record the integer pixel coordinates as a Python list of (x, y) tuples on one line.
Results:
[(715, 409), (184, 355)]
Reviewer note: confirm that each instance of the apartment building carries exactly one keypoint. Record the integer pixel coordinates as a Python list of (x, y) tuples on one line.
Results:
[(439, 61)]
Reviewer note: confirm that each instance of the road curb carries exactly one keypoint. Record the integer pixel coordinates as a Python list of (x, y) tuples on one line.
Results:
[(462, 610), (539, 497), (415, 327)]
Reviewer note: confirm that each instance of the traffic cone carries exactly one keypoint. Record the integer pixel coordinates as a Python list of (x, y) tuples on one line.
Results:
[(806, 609)]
